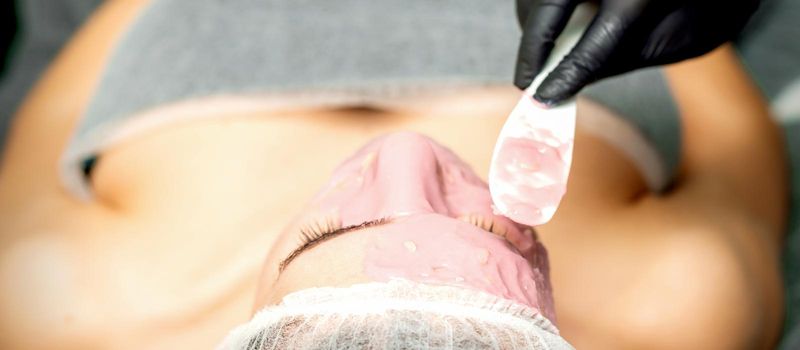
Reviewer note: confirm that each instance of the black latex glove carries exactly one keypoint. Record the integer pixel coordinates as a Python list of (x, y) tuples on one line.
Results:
[(624, 35)]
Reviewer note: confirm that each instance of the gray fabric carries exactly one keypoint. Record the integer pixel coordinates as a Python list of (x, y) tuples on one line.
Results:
[(181, 49), (45, 26), (643, 98), (791, 255), (770, 46), (184, 49)]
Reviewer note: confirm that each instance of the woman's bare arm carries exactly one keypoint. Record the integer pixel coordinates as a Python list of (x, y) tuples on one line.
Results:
[(733, 186), (732, 150)]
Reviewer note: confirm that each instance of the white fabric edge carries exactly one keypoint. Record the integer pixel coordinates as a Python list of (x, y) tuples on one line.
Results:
[(368, 298), (627, 139)]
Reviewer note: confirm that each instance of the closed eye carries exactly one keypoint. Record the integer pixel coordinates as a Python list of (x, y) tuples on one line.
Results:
[(488, 224), (313, 235)]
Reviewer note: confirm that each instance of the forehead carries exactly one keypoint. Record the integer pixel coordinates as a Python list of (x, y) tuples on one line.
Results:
[(426, 248), (337, 262)]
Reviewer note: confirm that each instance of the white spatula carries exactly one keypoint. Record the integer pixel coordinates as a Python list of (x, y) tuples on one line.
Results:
[(532, 157)]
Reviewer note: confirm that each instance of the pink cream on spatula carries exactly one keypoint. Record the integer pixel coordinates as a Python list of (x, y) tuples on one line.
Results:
[(531, 161)]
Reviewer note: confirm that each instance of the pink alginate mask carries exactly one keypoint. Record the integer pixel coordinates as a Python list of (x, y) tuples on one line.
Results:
[(533, 154)]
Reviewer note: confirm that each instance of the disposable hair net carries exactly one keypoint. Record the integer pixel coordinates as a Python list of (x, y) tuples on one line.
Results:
[(395, 315)]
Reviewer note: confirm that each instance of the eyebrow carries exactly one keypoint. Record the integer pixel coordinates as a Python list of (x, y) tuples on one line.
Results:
[(327, 236)]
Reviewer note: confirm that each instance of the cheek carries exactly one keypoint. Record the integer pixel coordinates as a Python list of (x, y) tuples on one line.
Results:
[(347, 181), (466, 201), (350, 202), (465, 193)]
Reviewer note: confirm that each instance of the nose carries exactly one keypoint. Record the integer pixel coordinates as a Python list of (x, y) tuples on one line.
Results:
[(409, 174)]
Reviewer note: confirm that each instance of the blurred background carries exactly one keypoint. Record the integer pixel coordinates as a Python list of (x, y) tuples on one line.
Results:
[(8, 28), (31, 34)]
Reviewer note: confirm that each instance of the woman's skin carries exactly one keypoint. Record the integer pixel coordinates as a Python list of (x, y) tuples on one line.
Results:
[(170, 253)]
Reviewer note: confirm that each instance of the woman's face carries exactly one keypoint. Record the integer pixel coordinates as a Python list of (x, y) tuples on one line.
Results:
[(406, 207)]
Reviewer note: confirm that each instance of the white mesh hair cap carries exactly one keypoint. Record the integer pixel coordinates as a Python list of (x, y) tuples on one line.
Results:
[(399, 314)]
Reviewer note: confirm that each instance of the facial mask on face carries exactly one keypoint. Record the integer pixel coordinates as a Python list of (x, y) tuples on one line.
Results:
[(411, 249), (395, 315), (532, 157)]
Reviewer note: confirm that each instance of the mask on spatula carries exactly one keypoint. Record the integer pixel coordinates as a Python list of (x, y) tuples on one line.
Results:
[(532, 158)]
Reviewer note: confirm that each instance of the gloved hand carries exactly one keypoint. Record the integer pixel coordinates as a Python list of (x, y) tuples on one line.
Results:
[(625, 35)]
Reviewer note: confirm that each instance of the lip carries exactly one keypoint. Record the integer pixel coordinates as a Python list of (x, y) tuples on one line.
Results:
[(403, 173)]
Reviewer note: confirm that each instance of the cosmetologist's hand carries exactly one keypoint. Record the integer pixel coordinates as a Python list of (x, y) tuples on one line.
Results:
[(625, 35)]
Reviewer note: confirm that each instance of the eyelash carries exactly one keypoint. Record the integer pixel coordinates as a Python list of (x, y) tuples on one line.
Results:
[(310, 234), (318, 231), (488, 224), (315, 230)]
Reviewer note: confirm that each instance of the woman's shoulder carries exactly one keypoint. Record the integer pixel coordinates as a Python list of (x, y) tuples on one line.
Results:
[(711, 281)]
